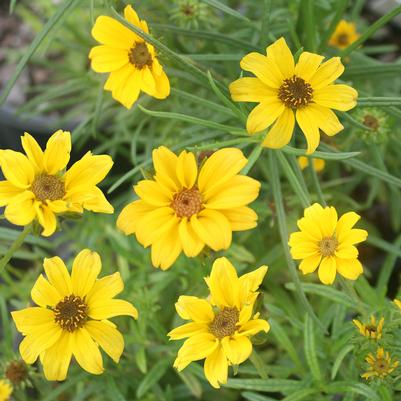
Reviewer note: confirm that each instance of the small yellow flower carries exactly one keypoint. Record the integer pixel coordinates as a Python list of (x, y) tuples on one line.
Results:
[(328, 243), (37, 187), (371, 330), (221, 326), (380, 365), (397, 303), (318, 164), (344, 35), (287, 92), (185, 207), (71, 318), (131, 62), (5, 390)]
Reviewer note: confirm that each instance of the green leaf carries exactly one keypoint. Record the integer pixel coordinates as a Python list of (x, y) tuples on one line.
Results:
[(300, 395), (153, 377), (378, 101), (357, 388), (269, 386), (378, 70), (249, 395), (310, 349), (339, 359), (192, 382), (320, 155), (229, 11)]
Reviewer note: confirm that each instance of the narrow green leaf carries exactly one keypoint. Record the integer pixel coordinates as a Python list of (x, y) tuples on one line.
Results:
[(339, 359), (377, 70), (384, 245), (153, 377), (378, 101), (357, 388), (304, 394), (249, 395), (321, 155), (229, 11), (269, 386), (252, 159), (310, 349)]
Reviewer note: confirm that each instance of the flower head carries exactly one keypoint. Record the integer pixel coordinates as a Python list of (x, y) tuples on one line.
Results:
[(16, 372), (287, 92), (344, 35), (131, 62), (71, 318), (328, 243), (372, 330), (37, 187), (220, 327), (397, 302), (318, 164), (190, 13), (380, 365), (186, 206), (377, 125), (5, 390)]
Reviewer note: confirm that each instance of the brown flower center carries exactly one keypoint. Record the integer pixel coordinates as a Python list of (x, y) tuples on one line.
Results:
[(343, 39), (381, 366), (371, 122), (295, 92), (224, 323), (48, 187), (71, 313), (187, 202), (139, 55), (328, 246), (16, 372)]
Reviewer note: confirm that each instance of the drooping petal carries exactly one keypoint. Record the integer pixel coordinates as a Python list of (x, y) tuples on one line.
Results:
[(308, 124), (17, 169), (325, 119), (241, 218), (307, 65), (107, 59), (327, 270), (193, 308), (281, 132), (188, 330), (105, 288), (33, 151), (192, 245), (349, 268), (162, 89), (8, 191), (216, 368), (264, 115), (310, 264), (128, 90), (338, 97), (85, 269), (46, 218), (58, 275), (105, 309), (327, 73), (57, 153), (44, 294), (148, 83), (237, 348), (251, 90), (187, 170)]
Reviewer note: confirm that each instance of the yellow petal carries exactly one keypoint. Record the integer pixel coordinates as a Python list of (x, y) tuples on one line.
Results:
[(253, 327), (281, 132), (251, 90), (148, 83), (167, 248), (213, 228), (309, 126), (346, 252), (327, 73), (153, 193), (354, 236), (86, 352), (325, 219), (129, 216), (105, 288), (310, 264), (128, 85), (107, 337), (188, 330), (46, 219), (56, 359), (33, 151), (237, 349), (325, 119), (216, 368), (7, 192), (165, 165), (105, 309), (250, 282), (191, 244), (307, 65), (264, 115), (338, 97), (57, 153), (349, 268), (85, 269), (44, 294), (58, 275), (193, 308), (27, 320), (131, 16), (327, 270), (187, 170), (90, 198), (16, 168), (241, 218), (345, 224), (162, 89), (281, 55), (107, 59)]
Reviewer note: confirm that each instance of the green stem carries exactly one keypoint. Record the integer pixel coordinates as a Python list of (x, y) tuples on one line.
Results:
[(379, 101), (350, 291), (15, 246), (316, 183), (310, 25)]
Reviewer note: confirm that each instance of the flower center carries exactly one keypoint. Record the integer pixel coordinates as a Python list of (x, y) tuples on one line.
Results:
[(295, 92), (371, 122), (328, 246), (343, 39), (70, 313), (187, 202), (48, 187), (139, 55), (16, 372), (224, 323), (188, 10), (370, 328), (381, 366)]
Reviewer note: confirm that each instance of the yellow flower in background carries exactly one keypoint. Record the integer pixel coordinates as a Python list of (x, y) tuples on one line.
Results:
[(344, 35), (220, 327), (71, 318), (5, 390), (287, 92), (380, 365), (397, 303), (131, 62), (372, 330), (328, 243), (318, 164), (37, 187), (185, 207)]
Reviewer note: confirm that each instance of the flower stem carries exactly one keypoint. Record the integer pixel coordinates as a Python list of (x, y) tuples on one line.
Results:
[(15, 246), (350, 290)]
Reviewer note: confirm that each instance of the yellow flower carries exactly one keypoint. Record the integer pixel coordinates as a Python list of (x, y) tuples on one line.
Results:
[(344, 35), (5, 390), (287, 91), (380, 365), (372, 330), (318, 164), (38, 187), (71, 317), (328, 243), (131, 62), (397, 303), (221, 326), (185, 207)]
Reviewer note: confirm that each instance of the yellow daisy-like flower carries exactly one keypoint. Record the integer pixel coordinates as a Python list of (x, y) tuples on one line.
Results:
[(318, 164), (221, 326), (287, 92), (328, 243), (344, 35), (37, 187), (372, 330), (131, 62), (185, 207), (5, 390), (380, 365), (397, 303), (71, 318)]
